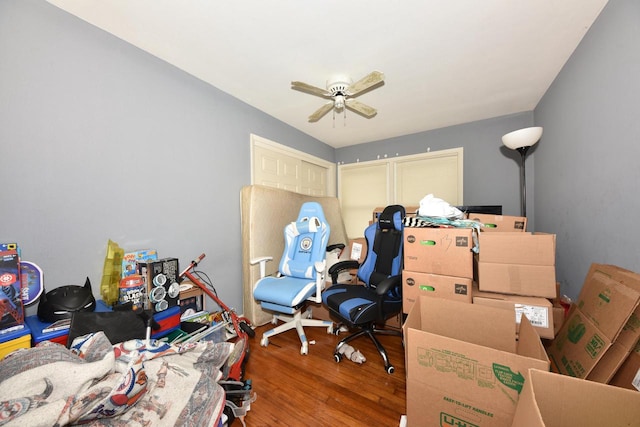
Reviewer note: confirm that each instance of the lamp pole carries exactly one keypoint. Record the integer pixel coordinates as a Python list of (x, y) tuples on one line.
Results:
[(523, 180), (521, 140)]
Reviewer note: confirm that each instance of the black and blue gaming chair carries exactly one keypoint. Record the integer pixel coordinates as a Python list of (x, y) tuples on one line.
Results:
[(363, 307)]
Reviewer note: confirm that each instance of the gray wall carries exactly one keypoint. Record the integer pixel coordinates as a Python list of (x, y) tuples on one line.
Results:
[(587, 171), (100, 140)]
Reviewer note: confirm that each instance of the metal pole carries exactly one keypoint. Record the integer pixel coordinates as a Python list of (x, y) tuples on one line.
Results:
[(523, 181)]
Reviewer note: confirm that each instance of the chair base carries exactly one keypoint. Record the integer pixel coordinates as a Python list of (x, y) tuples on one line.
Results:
[(370, 330), (298, 321)]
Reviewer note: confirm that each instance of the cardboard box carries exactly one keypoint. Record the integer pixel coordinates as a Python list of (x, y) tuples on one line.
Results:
[(626, 340), (628, 375), (518, 248), (552, 400), (538, 310), (464, 366), (446, 251), (578, 346), (606, 302), (609, 363), (604, 309), (517, 279), (517, 263), (415, 284), (500, 223)]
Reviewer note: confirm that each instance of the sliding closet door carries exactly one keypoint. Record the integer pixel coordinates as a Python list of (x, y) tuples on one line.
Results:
[(405, 180), (362, 188), (278, 166)]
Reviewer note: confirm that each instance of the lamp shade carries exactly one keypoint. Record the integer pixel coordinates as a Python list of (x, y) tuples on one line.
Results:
[(522, 138)]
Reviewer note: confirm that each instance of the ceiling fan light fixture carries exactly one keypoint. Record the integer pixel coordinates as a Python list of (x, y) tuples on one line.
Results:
[(341, 92)]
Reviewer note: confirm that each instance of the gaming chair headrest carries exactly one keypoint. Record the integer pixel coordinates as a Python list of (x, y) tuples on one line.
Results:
[(388, 220)]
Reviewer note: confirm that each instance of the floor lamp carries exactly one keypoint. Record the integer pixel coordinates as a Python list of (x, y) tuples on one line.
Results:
[(521, 140)]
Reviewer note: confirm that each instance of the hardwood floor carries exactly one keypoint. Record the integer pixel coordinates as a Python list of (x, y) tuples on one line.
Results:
[(314, 390)]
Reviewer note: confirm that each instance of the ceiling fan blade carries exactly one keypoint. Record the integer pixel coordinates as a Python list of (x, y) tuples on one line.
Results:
[(361, 108), (367, 82), (304, 87), (320, 112)]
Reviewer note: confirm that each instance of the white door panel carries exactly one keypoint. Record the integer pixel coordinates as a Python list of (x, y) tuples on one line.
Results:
[(403, 180)]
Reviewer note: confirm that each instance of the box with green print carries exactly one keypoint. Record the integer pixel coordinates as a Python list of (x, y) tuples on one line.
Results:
[(464, 365)]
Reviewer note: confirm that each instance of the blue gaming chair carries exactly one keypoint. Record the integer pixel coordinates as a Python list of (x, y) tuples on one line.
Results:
[(300, 277), (363, 307)]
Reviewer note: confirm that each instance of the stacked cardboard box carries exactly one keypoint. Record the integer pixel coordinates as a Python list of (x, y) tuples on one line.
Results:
[(538, 310), (438, 262), (602, 328), (464, 365), (515, 270), (500, 223), (518, 263)]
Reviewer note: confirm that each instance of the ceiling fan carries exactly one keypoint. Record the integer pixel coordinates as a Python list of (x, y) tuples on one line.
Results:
[(341, 93)]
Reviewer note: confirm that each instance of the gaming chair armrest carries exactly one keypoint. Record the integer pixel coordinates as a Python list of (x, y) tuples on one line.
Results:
[(263, 264), (382, 288), (341, 266), (387, 284)]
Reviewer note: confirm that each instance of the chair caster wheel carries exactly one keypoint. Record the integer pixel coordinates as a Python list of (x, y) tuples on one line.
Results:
[(337, 357), (304, 349), (330, 329), (390, 369), (264, 341)]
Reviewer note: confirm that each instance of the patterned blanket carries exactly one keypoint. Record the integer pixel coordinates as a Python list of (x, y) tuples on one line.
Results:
[(94, 383)]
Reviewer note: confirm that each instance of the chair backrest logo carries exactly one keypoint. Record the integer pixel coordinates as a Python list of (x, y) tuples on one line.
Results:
[(306, 243)]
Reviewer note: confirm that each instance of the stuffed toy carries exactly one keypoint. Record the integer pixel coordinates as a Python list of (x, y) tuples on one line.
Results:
[(352, 354)]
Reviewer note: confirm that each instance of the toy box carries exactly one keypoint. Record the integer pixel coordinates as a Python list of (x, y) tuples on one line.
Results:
[(161, 278), (11, 306), (130, 260), (14, 339)]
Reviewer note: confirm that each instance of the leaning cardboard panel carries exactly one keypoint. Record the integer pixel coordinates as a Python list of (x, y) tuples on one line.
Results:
[(552, 400), (464, 366), (628, 376), (626, 340)]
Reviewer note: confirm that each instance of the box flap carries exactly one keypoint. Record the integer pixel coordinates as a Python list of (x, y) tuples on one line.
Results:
[(529, 344), (476, 324), (552, 400)]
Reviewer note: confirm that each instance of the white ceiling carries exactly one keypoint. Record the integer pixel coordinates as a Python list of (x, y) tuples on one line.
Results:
[(446, 62)]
